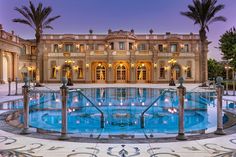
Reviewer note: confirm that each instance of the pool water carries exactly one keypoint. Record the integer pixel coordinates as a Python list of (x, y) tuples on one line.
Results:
[(122, 108)]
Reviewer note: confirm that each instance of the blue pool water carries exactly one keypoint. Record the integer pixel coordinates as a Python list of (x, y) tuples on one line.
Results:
[(122, 108)]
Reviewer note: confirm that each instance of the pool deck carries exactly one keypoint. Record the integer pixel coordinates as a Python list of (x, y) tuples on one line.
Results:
[(13, 144)]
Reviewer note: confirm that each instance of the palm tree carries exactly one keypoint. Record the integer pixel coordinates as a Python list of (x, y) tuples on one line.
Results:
[(38, 19), (203, 13)]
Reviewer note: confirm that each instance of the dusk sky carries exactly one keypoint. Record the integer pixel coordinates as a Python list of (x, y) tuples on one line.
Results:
[(78, 16)]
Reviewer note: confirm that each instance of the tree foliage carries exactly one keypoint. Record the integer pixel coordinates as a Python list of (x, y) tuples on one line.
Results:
[(227, 45), (215, 69), (204, 13)]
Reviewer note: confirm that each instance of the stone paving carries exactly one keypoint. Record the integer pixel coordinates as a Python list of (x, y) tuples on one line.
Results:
[(18, 145)]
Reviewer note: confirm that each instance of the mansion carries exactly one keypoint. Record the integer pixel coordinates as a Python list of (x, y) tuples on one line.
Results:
[(114, 57)]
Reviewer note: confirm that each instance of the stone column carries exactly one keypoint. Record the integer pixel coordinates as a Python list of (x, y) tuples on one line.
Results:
[(219, 91), (9, 86), (64, 94), (25, 92), (1, 66), (181, 90), (16, 60)]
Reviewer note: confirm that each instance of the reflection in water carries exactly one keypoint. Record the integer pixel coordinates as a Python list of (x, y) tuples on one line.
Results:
[(122, 108)]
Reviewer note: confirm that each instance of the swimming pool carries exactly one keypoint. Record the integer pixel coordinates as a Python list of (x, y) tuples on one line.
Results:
[(122, 108)]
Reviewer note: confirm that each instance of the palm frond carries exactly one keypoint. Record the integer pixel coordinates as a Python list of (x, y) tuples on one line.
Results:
[(23, 21), (218, 18)]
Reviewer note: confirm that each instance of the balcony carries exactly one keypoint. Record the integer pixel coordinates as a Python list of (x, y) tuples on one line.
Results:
[(8, 36)]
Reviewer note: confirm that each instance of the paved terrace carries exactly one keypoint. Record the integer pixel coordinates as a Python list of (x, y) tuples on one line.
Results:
[(17, 145)]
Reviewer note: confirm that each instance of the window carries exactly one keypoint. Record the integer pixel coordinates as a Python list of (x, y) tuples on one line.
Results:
[(121, 72), (112, 46), (23, 50), (81, 48), (91, 46), (186, 47), (55, 48), (121, 45), (189, 73), (142, 47), (162, 72), (141, 72), (101, 72), (130, 46), (80, 70), (53, 70), (160, 48), (68, 47), (173, 48), (189, 69)]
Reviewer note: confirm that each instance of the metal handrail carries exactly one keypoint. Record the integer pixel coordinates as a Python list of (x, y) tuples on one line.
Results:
[(142, 114), (93, 104)]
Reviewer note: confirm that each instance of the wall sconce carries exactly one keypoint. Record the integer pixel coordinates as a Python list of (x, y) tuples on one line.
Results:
[(30, 68), (166, 68), (77, 46), (185, 68), (109, 65), (57, 68), (132, 65), (87, 65), (60, 46), (76, 67), (155, 65)]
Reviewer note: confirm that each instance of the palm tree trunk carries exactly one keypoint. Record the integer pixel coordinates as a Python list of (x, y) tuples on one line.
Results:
[(37, 36), (203, 56)]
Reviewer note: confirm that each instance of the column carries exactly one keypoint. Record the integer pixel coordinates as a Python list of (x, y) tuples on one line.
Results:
[(219, 91), (25, 92), (1, 66), (181, 90), (64, 94)]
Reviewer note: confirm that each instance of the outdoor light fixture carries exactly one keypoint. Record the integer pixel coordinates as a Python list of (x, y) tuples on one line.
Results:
[(76, 67), (155, 65), (132, 65), (109, 65), (87, 65)]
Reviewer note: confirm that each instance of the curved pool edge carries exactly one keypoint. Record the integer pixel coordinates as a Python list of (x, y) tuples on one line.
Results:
[(9, 128)]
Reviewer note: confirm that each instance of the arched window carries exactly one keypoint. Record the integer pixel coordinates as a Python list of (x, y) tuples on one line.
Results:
[(189, 73), (101, 72), (142, 72), (53, 70), (162, 72), (121, 72)]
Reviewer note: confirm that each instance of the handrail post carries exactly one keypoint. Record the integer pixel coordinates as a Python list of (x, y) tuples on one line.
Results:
[(16, 86), (181, 90), (233, 78), (102, 120), (219, 91), (64, 94), (142, 121), (9, 86), (25, 92)]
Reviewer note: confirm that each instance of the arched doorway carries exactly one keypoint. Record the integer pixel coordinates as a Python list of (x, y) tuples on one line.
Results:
[(67, 71), (5, 70), (121, 73), (100, 73), (141, 73), (176, 71)]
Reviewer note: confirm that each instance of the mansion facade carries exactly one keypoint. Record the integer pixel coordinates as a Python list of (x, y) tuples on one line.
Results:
[(114, 57)]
